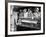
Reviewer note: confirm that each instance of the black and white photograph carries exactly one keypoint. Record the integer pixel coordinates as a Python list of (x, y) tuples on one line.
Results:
[(25, 18)]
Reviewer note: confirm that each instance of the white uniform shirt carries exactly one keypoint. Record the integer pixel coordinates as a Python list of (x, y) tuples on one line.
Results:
[(26, 14)]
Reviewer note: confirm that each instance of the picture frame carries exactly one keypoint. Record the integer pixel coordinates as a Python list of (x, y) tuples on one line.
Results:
[(23, 5)]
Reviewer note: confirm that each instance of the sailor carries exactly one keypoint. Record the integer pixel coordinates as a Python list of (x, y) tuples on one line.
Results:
[(30, 14), (25, 13), (37, 14)]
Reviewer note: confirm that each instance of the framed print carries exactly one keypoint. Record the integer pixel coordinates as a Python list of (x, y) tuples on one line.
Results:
[(25, 18)]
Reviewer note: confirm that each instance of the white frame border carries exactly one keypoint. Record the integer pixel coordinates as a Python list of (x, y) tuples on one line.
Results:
[(24, 32)]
